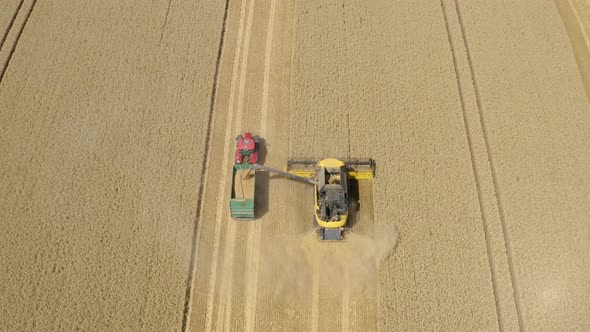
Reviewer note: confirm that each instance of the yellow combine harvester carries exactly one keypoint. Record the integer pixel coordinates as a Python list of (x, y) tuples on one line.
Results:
[(331, 180)]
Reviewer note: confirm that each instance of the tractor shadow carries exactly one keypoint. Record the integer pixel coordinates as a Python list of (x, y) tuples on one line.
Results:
[(261, 187), (262, 151)]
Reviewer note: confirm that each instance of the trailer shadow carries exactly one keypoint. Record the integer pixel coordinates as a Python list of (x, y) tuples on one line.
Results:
[(261, 194), (262, 191), (261, 188)]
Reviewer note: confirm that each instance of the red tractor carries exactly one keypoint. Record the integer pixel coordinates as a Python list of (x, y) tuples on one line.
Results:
[(246, 149)]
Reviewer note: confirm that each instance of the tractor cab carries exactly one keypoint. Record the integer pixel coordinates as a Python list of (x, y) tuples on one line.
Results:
[(246, 149)]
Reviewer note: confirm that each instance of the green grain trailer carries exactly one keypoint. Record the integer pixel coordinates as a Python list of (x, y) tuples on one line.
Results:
[(241, 203)]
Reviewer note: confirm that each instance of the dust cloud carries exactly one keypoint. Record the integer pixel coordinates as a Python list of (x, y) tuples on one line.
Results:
[(301, 262)]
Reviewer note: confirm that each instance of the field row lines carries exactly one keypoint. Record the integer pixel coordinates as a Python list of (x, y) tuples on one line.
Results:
[(223, 181), (580, 23), (255, 231), (226, 291), (204, 173), (485, 174), (6, 53)]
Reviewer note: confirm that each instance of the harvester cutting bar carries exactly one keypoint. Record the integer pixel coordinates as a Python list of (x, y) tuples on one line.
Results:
[(359, 161), (360, 169), (302, 167), (302, 161), (357, 168)]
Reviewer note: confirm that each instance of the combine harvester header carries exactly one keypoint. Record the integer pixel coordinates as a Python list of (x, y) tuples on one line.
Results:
[(357, 168)]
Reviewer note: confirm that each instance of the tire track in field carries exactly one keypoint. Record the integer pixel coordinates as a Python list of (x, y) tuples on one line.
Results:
[(255, 231), (204, 173), (573, 15), (315, 276), (223, 180), (11, 23), (224, 305), (252, 268), (345, 317), (315, 296), (491, 211), (163, 29), (580, 23), (267, 61), (19, 34), (507, 241), (468, 130)]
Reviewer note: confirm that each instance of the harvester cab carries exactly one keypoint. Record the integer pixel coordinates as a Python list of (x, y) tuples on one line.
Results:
[(331, 199)]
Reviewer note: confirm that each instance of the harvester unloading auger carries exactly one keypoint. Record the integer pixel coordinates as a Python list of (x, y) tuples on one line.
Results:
[(330, 178)]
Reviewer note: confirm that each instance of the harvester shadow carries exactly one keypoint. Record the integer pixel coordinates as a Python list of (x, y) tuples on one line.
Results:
[(354, 205)]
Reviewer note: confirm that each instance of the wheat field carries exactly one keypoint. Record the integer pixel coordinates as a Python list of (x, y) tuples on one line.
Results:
[(117, 136)]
